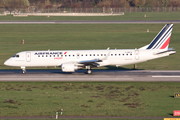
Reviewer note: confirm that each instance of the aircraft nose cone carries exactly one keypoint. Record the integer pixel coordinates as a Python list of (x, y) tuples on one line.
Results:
[(6, 62)]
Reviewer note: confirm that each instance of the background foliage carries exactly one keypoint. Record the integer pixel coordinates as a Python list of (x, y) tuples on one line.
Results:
[(87, 3)]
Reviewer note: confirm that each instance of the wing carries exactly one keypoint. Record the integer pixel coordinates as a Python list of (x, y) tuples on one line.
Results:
[(89, 62), (93, 62)]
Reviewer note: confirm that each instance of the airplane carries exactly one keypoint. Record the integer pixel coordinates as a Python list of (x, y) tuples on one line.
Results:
[(71, 60)]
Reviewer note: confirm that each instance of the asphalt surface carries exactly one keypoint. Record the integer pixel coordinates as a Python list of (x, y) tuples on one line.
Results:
[(81, 117), (97, 75), (93, 22)]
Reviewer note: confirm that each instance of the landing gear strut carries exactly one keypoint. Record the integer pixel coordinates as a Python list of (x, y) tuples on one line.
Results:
[(89, 71), (23, 69)]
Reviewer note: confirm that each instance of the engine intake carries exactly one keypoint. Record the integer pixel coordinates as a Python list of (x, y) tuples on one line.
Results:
[(68, 67)]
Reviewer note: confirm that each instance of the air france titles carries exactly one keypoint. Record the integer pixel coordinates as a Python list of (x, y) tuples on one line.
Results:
[(50, 53)]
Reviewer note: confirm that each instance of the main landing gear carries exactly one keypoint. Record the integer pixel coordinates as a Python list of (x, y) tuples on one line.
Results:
[(23, 69), (89, 71)]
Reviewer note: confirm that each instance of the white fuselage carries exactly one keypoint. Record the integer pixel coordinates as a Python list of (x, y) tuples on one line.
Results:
[(117, 57)]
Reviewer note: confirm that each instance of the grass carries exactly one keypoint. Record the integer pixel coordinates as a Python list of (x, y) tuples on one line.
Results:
[(88, 99), (86, 36), (127, 16)]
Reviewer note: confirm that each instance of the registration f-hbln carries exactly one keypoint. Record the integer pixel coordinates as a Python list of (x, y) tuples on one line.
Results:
[(71, 60)]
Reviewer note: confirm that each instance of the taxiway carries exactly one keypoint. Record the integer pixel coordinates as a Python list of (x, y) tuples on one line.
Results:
[(93, 22), (97, 75)]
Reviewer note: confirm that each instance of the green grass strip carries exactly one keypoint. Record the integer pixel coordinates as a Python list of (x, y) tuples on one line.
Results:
[(152, 99)]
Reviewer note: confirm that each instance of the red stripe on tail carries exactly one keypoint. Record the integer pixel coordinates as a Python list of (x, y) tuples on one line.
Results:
[(166, 43)]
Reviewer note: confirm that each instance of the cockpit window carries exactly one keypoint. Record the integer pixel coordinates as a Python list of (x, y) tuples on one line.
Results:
[(17, 56)]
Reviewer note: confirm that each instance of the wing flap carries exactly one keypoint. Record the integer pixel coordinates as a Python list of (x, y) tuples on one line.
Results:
[(89, 61)]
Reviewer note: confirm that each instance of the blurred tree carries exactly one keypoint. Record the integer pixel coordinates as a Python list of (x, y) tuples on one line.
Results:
[(11, 5), (113, 3), (124, 3), (164, 3), (86, 4), (137, 3), (173, 3), (90, 3), (39, 5), (48, 4), (104, 3)]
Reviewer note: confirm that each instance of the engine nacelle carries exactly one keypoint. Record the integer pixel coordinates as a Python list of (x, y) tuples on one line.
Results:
[(68, 67)]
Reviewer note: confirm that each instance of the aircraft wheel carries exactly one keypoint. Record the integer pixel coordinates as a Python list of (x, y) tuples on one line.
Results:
[(24, 71), (89, 71)]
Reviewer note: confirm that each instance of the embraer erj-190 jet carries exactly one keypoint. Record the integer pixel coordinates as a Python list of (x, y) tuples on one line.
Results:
[(71, 60)]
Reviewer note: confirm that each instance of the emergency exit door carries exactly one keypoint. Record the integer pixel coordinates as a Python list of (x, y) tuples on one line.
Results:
[(136, 54)]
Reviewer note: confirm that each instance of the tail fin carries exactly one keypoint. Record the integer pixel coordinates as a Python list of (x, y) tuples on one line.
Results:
[(161, 41)]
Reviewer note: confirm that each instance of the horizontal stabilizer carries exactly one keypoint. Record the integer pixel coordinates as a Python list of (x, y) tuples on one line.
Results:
[(170, 51)]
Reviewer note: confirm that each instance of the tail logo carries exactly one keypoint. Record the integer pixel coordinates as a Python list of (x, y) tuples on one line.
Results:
[(161, 41)]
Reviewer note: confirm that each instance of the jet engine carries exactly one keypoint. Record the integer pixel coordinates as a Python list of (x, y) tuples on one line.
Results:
[(68, 67)]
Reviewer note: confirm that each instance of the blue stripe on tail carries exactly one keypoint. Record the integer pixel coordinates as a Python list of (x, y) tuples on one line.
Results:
[(161, 35)]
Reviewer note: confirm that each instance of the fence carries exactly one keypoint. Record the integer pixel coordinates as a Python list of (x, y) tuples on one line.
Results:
[(92, 10)]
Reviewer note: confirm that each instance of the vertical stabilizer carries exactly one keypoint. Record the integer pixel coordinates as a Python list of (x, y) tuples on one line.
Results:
[(161, 41)]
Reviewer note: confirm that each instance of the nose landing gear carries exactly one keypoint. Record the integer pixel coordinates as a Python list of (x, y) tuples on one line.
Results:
[(23, 69)]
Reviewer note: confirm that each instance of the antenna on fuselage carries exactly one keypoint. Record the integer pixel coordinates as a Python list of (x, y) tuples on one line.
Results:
[(108, 48)]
